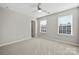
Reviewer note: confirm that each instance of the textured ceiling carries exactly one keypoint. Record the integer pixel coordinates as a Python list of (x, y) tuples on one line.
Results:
[(28, 8)]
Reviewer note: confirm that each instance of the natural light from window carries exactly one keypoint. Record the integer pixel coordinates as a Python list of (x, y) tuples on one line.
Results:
[(43, 26), (65, 24)]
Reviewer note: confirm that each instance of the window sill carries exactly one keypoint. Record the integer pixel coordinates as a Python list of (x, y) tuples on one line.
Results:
[(65, 34), (43, 32)]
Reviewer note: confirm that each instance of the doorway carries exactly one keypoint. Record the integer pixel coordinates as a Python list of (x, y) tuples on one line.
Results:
[(32, 28)]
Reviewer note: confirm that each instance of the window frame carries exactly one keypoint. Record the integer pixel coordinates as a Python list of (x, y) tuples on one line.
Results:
[(71, 26), (41, 28)]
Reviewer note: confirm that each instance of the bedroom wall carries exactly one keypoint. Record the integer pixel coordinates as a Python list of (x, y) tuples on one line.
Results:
[(52, 26), (14, 26)]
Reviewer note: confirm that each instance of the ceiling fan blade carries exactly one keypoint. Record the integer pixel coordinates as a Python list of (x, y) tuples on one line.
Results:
[(45, 11)]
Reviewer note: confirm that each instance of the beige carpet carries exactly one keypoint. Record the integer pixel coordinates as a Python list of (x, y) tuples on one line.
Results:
[(39, 47)]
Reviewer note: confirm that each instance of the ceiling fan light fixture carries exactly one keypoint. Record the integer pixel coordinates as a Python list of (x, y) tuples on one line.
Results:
[(39, 10)]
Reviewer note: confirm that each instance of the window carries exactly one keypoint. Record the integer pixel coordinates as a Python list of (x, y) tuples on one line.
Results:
[(43, 26), (65, 25)]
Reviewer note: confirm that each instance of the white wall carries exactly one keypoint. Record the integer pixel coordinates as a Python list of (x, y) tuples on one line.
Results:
[(13, 26), (52, 27)]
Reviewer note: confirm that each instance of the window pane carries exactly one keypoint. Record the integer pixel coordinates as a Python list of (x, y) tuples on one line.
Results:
[(64, 31), (68, 31), (64, 23), (60, 27), (64, 27), (43, 27), (68, 27), (43, 30), (60, 31), (43, 24)]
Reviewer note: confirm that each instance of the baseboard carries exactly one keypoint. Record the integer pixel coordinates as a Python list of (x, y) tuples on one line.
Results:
[(14, 42), (65, 42)]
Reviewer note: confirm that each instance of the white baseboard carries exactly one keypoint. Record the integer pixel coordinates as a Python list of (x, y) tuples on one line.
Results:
[(65, 42), (14, 42), (70, 43)]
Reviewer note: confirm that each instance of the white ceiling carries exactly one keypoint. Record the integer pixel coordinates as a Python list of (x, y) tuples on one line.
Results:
[(28, 8)]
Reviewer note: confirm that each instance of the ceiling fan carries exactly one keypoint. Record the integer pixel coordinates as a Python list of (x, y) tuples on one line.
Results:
[(39, 9)]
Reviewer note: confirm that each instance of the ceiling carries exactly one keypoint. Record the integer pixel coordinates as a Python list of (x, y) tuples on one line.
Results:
[(28, 8)]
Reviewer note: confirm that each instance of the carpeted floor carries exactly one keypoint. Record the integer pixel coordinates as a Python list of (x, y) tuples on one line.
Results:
[(37, 46)]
